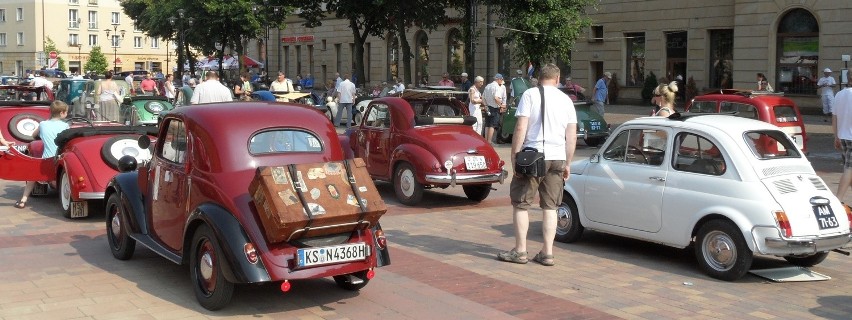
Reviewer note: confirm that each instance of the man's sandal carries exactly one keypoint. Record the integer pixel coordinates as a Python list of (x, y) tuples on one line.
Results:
[(544, 259), (513, 256), (20, 204)]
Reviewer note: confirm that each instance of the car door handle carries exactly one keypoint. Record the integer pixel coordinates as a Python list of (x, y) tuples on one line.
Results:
[(660, 179)]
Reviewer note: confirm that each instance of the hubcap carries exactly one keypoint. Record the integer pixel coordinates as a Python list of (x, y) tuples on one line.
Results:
[(720, 252), (406, 181), (205, 266), (115, 227), (563, 219), (65, 191)]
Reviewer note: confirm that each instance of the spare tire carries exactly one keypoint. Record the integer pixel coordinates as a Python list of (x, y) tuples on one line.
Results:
[(122, 145), (23, 125), (155, 107)]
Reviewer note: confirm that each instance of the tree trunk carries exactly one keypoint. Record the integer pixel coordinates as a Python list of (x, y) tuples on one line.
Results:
[(358, 73), (470, 38), (406, 52)]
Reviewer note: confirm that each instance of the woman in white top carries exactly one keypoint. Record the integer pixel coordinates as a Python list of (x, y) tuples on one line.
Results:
[(476, 103), (108, 95), (170, 88), (667, 99)]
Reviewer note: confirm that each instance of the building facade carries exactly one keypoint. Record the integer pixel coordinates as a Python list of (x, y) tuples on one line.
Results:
[(75, 27), (720, 44)]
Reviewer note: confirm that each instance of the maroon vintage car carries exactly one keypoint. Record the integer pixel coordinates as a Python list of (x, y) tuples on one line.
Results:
[(21, 109), (191, 202), (424, 139), (87, 158)]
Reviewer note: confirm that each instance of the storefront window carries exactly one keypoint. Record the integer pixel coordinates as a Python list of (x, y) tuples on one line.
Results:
[(635, 58), (721, 59), (798, 53), (455, 53), (422, 59)]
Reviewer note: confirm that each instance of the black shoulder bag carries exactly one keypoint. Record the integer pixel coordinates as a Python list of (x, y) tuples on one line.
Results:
[(529, 161)]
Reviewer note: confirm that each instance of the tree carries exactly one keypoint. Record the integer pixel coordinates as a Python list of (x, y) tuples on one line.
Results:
[(50, 46), (543, 29), (97, 61)]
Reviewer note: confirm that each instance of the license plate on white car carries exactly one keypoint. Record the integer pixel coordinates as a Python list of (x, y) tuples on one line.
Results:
[(825, 217), (475, 163), (330, 255)]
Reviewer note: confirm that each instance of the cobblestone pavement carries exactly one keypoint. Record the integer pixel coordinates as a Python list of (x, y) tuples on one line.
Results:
[(444, 267)]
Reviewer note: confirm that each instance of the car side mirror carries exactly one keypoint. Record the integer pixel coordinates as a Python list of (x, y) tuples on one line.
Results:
[(595, 158), (144, 142)]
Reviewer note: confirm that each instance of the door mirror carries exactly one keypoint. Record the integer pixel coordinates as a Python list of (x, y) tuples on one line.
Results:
[(595, 158)]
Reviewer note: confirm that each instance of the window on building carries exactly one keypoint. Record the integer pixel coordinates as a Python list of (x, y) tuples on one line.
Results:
[(310, 58), (115, 41), (455, 53), (337, 57), (116, 18), (298, 60), (2, 39), (596, 34), (93, 19), (74, 1), (73, 39), (367, 66), (19, 14), (421, 58), (155, 43), (136, 27), (393, 56), (20, 38), (93, 2), (2, 15), (352, 59), (286, 59), (798, 53), (137, 42), (93, 40), (635, 59), (73, 19), (721, 58)]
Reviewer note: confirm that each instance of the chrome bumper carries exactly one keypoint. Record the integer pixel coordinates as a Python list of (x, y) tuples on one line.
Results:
[(453, 178), (91, 195), (774, 244)]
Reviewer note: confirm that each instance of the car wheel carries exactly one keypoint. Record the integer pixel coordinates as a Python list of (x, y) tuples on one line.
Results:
[(346, 281), (211, 288), (123, 145), (23, 125), (408, 190), (568, 226), (477, 192), (593, 142), (722, 251), (808, 260), (503, 136), (120, 242), (65, 193)]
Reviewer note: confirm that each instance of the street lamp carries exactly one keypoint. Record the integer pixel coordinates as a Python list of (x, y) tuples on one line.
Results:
[(115, 44), (182, 25)]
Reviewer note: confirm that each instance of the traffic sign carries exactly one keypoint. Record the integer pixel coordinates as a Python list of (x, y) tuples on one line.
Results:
[(53, 55), (52, 63)]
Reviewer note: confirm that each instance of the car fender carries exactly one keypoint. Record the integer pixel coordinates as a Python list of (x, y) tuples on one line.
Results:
[(418, 156), (720, 212), (73, 166), (232, 239), (126, 186)]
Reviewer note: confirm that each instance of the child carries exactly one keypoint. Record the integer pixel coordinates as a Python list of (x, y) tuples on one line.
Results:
[(47, 131)]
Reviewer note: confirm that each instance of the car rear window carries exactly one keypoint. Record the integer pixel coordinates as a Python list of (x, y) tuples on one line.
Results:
[(703, 107), (742, 110), (771, 144), (284, 141), (785, 114)]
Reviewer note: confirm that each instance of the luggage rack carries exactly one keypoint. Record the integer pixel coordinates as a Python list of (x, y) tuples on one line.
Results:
[(748, 93)]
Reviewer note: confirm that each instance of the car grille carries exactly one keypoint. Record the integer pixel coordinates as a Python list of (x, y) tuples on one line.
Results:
[(818, 184), (775, 171), (784, 186)]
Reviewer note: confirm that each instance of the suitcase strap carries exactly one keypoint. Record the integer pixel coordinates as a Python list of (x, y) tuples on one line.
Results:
[(300, 187), (355, 191)]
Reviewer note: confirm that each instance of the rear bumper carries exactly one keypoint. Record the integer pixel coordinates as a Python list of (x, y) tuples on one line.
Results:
[(91, 195), (589, 135), (774, 244), (453, 179)]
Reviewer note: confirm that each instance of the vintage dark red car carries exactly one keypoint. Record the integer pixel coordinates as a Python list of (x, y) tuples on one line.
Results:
[(21, 109), (87, 158), (191, 203), (424, 139)]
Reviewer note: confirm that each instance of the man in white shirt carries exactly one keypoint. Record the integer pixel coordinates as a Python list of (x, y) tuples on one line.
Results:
[(281, 84), (346, 96), (557, 141), (129, 80), (399, 87), (495, 98), (40, 81), (841, 122), (211, 90), (826, 90)]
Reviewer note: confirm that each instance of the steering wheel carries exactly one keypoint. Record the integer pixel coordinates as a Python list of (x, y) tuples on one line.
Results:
[(71, 120), (640, 152)]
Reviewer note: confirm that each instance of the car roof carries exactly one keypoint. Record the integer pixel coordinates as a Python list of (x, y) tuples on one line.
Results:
[(723, 122), (770, 98)]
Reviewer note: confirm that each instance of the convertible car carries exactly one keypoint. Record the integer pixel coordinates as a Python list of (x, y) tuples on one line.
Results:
[(21, 109)]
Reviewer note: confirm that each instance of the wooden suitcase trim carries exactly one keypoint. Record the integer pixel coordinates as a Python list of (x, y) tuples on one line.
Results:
[(357, 225)]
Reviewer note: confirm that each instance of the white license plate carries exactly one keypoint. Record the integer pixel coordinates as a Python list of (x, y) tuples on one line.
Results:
[(475, 163), (334, 254)]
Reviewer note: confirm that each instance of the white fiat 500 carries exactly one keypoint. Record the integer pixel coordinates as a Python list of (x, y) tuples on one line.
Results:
[(732, 185)]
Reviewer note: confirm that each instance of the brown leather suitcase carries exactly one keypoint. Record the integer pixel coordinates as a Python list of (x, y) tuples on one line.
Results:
[(315, 199)]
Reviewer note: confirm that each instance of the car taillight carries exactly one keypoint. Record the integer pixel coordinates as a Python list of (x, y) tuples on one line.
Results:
[(848, 214), (784, 223), (251, 253), (381, 240)]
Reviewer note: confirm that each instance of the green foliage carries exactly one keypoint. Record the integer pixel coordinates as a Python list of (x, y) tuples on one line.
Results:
[(49, 46), (648, 86), (97, 61), (548, 28)]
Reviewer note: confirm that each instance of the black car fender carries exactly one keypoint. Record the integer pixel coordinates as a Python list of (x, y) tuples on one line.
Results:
[(232, 239), (125, 185)]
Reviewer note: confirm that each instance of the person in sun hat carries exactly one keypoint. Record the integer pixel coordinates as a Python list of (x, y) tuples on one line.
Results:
[(826, 90)]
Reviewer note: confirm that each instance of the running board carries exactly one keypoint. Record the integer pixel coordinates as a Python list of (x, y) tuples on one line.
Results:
[(156, 247)]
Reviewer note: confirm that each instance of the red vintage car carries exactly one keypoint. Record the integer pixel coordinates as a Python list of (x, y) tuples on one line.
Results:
[(87, 158), (21, 109), (424, 139), (191, 202)]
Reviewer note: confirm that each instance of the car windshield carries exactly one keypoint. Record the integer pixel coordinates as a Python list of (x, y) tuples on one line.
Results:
[(283, 141), (771, 144), (23, 93)]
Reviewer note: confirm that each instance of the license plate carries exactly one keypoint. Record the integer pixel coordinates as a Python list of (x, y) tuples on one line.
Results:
[(825, 217), (330, 255), (475, 163), (22, 148), (595, 126)]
